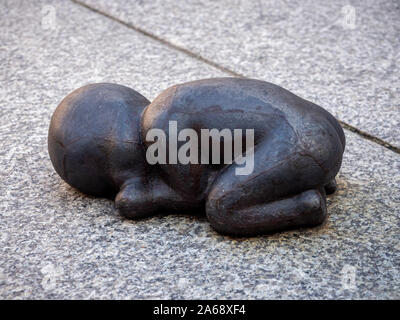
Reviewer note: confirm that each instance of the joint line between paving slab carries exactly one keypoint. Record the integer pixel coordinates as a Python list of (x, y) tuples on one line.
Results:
[(224, 69), (158, 39)]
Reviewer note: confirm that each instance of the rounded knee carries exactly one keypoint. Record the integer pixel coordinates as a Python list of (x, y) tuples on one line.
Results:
[(223, 218)]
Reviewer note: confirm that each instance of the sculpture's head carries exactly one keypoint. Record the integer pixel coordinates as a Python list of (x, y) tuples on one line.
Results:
[(94, 140)]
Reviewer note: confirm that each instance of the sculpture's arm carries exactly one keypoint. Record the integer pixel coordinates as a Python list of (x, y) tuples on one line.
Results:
[(139, 198)]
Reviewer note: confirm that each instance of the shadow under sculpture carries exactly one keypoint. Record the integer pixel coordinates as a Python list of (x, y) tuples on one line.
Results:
[(97, 145)]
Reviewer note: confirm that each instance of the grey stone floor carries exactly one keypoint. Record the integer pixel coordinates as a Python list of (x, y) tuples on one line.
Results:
[(58, 243)]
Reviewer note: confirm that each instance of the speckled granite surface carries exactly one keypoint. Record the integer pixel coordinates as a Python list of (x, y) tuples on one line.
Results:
[(58, 243), (342, 54)]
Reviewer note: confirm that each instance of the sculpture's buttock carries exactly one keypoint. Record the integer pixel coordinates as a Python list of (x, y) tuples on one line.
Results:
[(100, 141)]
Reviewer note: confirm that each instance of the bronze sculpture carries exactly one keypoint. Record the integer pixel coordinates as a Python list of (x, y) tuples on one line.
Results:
[(97, 144)]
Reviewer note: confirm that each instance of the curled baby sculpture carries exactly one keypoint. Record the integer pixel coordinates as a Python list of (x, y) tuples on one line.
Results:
[(101, 135)]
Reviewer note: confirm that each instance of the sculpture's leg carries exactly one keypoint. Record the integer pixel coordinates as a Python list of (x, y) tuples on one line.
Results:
[(331, 186), (277, 196), (304, 210)]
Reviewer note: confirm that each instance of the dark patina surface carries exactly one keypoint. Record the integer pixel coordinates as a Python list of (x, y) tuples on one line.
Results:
[(96, 145)]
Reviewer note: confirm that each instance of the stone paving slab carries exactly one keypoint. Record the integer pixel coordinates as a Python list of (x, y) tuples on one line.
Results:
[(57, 243), (343, 57)]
